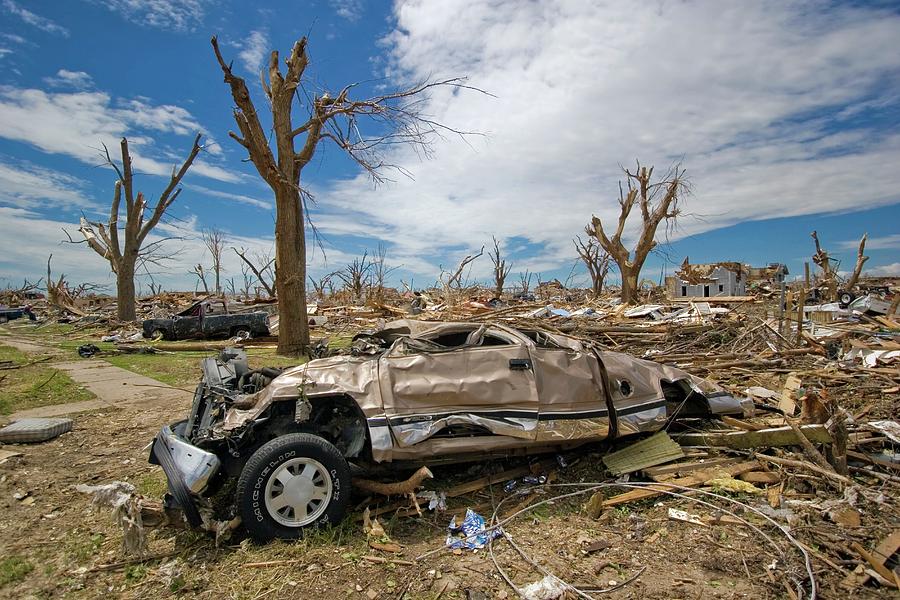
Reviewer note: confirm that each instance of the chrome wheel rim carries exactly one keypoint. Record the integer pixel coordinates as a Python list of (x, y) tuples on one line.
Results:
[(298, 492)]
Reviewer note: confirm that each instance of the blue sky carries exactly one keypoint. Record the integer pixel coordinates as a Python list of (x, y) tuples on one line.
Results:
[(785, 115)]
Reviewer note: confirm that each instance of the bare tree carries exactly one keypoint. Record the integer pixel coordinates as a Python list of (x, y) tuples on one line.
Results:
[(379, 272), (455, 279), (258, 271), (331, 117), (201, 277), (829, 270), (596, 260), (354, 276), (248, 278), (104, 239), (525, 281), (214, 240), (861, 259), (501, 269), (658, 201), (322, 284)]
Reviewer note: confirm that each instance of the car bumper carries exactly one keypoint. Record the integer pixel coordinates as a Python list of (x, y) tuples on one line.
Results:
[(190, 465)]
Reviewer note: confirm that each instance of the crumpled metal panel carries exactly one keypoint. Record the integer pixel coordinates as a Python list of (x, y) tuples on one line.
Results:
[(354, 376), (410, 433), (425, 393), (562, 430)]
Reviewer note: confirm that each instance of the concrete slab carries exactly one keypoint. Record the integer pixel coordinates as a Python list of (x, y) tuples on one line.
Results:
[(113, 386)]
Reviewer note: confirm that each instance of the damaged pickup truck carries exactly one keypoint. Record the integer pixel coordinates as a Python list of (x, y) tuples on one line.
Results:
[(274, 447)]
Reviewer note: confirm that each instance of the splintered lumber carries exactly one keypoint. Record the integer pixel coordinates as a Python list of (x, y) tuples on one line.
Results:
[(763, 477), (483, 482), (400, 488), (876, 563), (670, 471), (883, 551), (597, 502), (657, 449), (787, 404), (764, 438), (800, 464), (742, 424)]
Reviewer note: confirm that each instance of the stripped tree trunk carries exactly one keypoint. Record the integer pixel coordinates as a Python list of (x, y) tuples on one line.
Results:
[(658, 202), (104, 239)]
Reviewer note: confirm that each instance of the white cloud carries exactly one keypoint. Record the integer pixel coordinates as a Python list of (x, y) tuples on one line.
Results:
[(241, 198), (42, 23), (71, 79), (177, 15), (77, 123), (886, 242), (26, 185), (749, 95), (254, 50), (891, 270), (348, 9)]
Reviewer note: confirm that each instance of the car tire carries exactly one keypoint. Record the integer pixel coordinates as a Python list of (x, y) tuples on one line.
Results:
[(845, 298), (295, 482), (158, 334)]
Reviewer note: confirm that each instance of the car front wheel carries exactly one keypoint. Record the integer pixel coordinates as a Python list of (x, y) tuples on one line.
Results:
[(296, 481)]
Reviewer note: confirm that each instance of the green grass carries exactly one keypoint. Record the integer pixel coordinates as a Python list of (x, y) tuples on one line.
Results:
[(14, 569), (182, 369), (34, 385), (152, 484)]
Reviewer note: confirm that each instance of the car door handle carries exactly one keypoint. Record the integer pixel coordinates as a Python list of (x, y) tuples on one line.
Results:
[(519, 364)]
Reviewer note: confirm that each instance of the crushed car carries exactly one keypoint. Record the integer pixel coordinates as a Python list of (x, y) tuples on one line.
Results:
[(207, 319), (274, 447)]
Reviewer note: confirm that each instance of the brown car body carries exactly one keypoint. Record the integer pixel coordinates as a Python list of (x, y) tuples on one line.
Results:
[(431, 392)]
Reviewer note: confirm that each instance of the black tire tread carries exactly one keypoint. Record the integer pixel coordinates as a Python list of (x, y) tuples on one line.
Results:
[(268, 530)]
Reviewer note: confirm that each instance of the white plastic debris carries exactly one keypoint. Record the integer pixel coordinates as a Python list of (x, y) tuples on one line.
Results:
[(121, 498), (870, 357), (888, 428), (680, 515), (548, 588)]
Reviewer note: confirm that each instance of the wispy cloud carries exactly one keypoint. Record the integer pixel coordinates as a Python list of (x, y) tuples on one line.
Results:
[(243, 199), (26, 185), (891, 270), (77, 123), (71, 79), (178, 15), (886, 242), (33, 19), (254, 50), (351, 10)]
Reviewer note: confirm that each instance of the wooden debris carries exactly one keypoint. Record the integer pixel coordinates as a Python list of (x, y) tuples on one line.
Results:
[(668, 471), (400, 488), (810, 450), (876, 562), (657, 449), (787, 404), (763, 477), (597, 502), (742, 440)]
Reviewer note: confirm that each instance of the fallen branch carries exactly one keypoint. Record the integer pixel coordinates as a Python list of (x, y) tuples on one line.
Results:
[(400, 488)]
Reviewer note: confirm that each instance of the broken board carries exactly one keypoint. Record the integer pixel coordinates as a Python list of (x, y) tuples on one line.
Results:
[(657, 449)]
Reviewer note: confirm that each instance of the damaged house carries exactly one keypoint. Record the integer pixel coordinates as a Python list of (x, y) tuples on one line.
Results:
[(708, 280)]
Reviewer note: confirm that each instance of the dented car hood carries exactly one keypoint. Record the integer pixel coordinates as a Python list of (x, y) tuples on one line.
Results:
[(545, 388)]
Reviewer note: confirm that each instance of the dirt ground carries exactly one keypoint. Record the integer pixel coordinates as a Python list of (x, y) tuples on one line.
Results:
[(54, 544)]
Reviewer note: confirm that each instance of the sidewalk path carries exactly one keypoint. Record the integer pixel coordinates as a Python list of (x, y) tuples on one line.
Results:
[(113, 386)]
